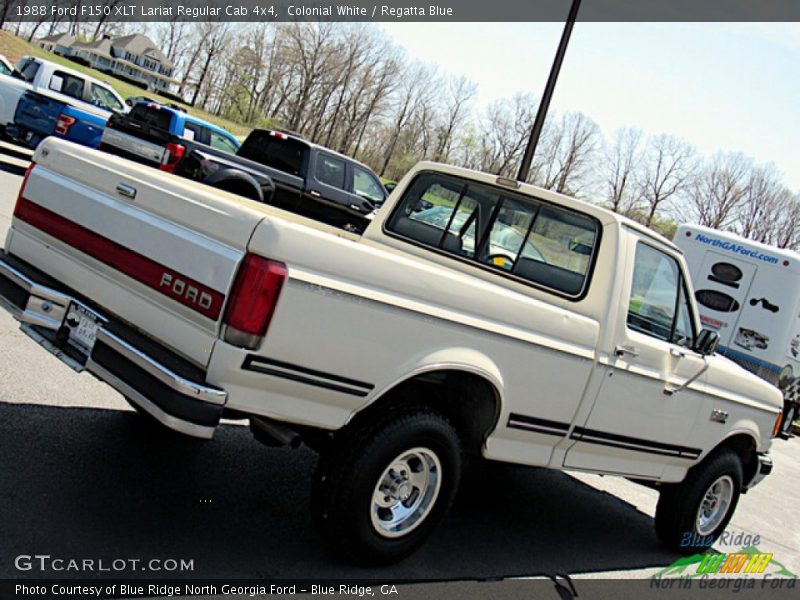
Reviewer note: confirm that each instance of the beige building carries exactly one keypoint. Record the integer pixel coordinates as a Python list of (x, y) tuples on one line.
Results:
[(134, 58)]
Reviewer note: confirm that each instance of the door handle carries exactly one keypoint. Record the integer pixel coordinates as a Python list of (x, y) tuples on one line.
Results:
[(623, 350), (315, 193), (677, 353), (126, 190)]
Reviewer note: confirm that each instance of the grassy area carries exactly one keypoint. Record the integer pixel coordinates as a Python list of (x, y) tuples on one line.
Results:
[(15, 48)]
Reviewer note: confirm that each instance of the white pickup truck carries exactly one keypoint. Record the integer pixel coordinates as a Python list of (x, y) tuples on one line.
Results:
[(54, 80), (474, 315)]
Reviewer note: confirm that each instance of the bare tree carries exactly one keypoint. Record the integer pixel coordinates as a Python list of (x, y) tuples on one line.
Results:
[(765, 196), (505, 130), (416, 87), (668, 165), (622, 159), (7, 11), (460, 92), (566, 154), (787, 230), (215, 40), (715, 195)]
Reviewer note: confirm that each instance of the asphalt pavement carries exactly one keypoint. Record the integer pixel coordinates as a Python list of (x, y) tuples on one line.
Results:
[(82, 476)]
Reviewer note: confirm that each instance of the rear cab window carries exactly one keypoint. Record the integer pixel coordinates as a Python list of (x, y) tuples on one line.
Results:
[(518, 236), (282, 153), (195, 132), (67, 84), (152, 116)]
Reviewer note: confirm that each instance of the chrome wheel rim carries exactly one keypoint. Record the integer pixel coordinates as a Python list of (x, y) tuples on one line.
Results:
[(406, 492), (715, 505)]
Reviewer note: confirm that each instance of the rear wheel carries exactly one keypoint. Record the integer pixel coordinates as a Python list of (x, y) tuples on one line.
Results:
[(691, 515), (381, 489)]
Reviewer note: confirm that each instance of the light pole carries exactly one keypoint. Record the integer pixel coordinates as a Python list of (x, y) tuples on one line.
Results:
[(544, 105)]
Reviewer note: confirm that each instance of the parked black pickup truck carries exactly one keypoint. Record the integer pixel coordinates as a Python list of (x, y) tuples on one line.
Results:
[(271, 166), (308, 179)]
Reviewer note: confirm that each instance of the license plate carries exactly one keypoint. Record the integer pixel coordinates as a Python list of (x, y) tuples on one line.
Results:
[(83, 326)]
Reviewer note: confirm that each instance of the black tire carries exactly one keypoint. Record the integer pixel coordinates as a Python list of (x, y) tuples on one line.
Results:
[(349, 471), (678, 506)]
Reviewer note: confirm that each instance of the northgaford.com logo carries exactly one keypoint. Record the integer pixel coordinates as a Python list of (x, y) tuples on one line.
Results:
[(749, 567)]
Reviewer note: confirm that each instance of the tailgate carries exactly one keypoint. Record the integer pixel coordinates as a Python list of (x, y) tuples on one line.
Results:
[(130, 146), (157, 251), (38, 113)]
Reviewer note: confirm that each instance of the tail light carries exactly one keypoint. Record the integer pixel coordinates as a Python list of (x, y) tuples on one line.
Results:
[(24, 183), (253, 299), (777, 429), (64, 123), (174, 155)]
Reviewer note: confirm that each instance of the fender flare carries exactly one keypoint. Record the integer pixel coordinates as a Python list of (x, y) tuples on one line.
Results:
[(227, 175)]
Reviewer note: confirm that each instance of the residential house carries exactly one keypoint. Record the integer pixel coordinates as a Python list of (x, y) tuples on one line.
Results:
[(59, 43), (134, 58)]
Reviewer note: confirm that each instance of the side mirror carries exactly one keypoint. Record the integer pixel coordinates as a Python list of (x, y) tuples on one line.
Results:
[(56, 83), (707, 342), (389, 186)]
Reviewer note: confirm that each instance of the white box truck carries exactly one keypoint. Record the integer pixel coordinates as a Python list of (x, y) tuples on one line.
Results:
[(749, 293)]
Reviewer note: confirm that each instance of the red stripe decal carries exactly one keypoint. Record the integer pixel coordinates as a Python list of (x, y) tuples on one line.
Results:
[(172, 284)]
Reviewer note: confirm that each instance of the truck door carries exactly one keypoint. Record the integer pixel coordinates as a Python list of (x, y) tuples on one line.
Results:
[(638, 425), (326, 185), (721, 288)]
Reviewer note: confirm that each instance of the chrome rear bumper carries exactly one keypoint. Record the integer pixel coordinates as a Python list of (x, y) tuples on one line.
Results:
[(177, 401)]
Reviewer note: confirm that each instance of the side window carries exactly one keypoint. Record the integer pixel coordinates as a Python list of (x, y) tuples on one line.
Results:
[(364, 185), (330, 170), (519, 235), (70, 85), (659, 305), (103, 98), (220, 142)]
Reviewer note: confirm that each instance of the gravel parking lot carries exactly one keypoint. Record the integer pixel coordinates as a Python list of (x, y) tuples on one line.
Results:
[(83, 477)]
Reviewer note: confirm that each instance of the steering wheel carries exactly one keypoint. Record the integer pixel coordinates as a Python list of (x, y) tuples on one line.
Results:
[(500, 260)]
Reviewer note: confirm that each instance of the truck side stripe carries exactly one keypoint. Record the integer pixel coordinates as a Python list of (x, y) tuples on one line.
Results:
[(591, 436), (276, 368)]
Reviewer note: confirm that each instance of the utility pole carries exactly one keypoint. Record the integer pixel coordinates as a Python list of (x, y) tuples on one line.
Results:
[(544, 105)]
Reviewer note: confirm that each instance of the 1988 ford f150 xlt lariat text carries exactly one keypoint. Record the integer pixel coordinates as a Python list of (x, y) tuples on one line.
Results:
[(475, 315)]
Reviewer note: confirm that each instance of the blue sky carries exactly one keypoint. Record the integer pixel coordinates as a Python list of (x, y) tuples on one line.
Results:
[(719, 86)]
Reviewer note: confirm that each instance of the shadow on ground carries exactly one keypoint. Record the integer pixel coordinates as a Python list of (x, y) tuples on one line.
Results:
[(87, 483)]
